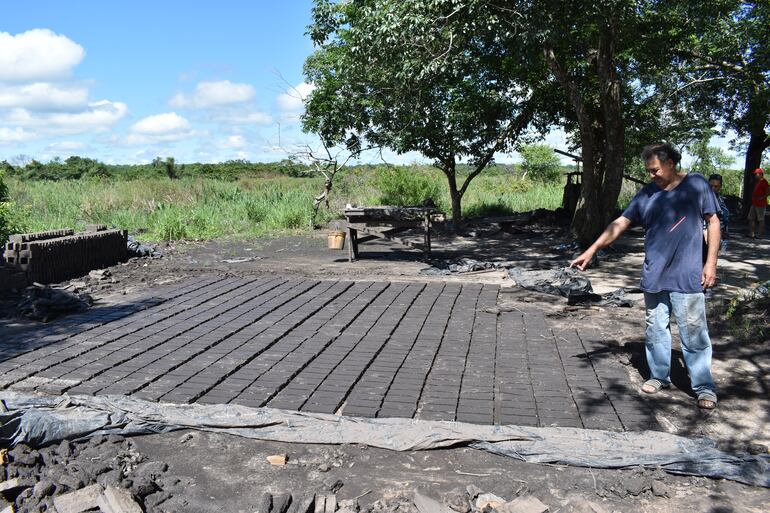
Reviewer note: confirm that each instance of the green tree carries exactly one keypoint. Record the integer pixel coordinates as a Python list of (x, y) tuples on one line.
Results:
[(170, 169), (76, 167), (9, 222), (437, 77), (725, 64), (540, 163), (709, 159)]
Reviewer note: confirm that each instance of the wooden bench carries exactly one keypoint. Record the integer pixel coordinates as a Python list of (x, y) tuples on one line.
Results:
[(387, 222)]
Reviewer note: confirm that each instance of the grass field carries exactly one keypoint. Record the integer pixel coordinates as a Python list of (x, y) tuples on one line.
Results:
[(200, 208), (205, 208)]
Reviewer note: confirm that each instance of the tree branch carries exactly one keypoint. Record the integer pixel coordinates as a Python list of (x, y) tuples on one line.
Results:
[(737, 68), (512, 131)]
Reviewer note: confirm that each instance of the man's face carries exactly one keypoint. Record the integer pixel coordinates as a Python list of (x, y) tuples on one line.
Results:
[(716, 185), (662, 173), (758, 176)]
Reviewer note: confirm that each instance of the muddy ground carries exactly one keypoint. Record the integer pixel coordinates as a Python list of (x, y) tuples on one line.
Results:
[(209, 472)]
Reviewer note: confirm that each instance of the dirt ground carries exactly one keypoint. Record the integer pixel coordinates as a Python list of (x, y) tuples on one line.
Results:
[(228, 474)]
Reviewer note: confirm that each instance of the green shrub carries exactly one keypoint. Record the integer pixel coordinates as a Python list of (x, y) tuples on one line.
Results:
[(11, 216), (3, 187), (256, 211), (540, 163), (406, 186), (170, 225)]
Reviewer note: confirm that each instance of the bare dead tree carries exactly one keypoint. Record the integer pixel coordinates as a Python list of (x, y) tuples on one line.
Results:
[(327, 162)]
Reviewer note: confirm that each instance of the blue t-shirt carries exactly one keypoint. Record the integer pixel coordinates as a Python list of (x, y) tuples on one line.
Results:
[(673, 243)]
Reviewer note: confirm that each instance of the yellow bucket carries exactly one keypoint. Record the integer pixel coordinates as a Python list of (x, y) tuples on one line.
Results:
[(336, 240)]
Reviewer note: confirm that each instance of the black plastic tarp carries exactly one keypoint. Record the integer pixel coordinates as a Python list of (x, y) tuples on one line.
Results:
[(41, 420)]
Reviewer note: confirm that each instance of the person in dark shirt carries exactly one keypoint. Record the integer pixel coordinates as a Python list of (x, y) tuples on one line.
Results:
[(672, 209), (715, 182)]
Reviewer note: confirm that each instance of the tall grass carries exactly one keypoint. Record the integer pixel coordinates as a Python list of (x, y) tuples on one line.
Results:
[(205, 208)]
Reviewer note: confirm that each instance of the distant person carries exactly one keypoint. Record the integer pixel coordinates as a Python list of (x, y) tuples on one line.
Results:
[(758, 204), (715, 181), (671, 209)]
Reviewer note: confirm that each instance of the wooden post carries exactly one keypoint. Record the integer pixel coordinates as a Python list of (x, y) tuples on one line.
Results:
[(352, 243)]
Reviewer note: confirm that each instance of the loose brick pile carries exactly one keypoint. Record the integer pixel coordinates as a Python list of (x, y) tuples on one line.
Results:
[(57, 255)]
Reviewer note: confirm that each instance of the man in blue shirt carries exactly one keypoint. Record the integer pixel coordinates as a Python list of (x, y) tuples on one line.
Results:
[(671, 209)]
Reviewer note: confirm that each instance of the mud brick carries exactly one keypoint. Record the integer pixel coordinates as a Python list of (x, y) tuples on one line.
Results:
[(560, 422), (62, 257), (611, 423), (519, 420), (360, 411), (474, 418), (435, 415), (402, 413), (50, 234)]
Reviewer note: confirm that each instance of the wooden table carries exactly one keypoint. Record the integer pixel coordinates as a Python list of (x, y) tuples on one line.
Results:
[(386, 222)]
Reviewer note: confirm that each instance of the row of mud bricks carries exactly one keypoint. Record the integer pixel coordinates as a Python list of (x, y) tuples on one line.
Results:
[(57, 255)]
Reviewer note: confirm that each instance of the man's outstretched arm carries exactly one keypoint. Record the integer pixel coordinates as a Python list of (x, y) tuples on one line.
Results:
[(709, 276), (610, 234)]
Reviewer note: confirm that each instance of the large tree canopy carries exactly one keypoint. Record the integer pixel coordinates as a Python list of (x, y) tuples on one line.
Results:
[(725, 66), (463, 79), (437, 77)]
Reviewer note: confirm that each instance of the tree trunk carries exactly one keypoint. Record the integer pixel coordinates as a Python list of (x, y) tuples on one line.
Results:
[(454, 193), (759, 141), (614, 134), (602, 137), (589, 219)]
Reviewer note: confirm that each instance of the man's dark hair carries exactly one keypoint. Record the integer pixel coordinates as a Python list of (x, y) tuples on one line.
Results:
[(664, 152), (715, 177)]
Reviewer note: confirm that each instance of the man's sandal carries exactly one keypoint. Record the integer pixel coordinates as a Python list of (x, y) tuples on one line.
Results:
[(653, 386), (707, 401)]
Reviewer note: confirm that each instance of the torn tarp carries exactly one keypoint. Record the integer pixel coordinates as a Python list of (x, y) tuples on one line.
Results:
[(566, 282), (138, 249), (43, 303), (569, 283), (41, 420), (461, 265)]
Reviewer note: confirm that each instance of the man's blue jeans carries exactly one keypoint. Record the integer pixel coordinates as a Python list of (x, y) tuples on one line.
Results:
[(690, 313)]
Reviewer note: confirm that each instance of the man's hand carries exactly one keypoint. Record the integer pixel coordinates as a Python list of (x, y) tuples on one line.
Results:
[(709, 276), (582, 261)]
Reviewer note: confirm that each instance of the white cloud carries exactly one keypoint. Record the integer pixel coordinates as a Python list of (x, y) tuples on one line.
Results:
[(293, 100), (166, 127), (98, 116), (15, 135), (232, 142), (37, 55), (64, 146), (213, 94), (161, 124), (144, 139), (244, 118), (43, 96)]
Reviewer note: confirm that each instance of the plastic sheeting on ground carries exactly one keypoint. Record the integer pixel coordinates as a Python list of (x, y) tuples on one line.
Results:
[(43, 303), (40, 420), (565, 281), (461, 265), (138, 249), (569, 283)]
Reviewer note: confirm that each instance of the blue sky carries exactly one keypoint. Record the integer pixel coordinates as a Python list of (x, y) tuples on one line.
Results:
[(125, 82), (128, 81)]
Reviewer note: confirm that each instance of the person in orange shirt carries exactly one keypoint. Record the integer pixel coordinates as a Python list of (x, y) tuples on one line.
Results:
[(758, 204)]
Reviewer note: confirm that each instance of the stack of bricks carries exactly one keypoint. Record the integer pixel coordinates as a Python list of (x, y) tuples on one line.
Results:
[(11, 278), (57, 255)]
